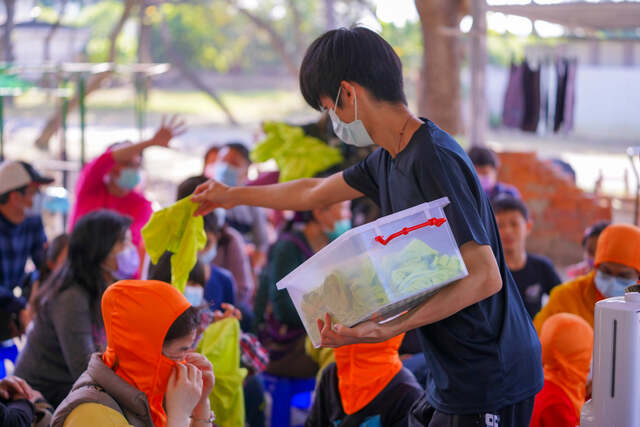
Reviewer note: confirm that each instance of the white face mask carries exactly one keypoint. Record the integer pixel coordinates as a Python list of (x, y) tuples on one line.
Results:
[(612, 286), (194, 294), (353, 133)]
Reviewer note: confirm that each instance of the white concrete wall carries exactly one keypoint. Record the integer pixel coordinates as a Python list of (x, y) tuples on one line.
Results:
[(607, 100)]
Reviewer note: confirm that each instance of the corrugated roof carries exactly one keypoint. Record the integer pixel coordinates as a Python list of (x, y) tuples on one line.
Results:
[(599, 16)]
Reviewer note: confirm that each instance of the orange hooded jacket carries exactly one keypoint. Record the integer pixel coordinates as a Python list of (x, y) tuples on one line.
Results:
[(364, 370), (567, 344), (137, 315), (618, 243)]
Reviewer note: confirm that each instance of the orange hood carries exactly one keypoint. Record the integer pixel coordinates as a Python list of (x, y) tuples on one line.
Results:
[(364, 370), (567, 344), (619, 243), (137, 315)]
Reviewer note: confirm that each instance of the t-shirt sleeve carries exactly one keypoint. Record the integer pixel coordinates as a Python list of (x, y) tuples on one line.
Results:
[(442, 174), (71, 318), (552, 279), (363, 176), (92, 175), (37, 251)]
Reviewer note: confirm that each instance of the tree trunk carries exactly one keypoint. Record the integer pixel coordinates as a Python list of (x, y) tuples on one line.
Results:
[(276, 40), (144, 34), (7, 45), (93, 83), (46, 57), (478, 118), (439, 86), (187, 73), (330, 14), (297, 26)]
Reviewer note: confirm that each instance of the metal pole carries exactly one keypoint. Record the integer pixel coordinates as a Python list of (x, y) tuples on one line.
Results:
[(81, 99), (1, 128), (63, 142)]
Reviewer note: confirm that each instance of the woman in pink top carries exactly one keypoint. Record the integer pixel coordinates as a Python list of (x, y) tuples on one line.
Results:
[(109, 181)]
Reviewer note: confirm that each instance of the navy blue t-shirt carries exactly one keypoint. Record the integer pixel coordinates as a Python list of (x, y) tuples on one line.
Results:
[(486, 356), (219, 288)]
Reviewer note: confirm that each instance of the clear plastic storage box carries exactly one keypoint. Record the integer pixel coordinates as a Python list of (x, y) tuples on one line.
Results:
[(377, 270)]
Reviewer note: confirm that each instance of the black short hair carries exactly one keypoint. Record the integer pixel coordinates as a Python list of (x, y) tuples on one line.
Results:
[(240, 148), (482, 156), (4, 197), (594, 231), (354, 54), (508, 204), (184, 324), (162, 271), (186, 188)]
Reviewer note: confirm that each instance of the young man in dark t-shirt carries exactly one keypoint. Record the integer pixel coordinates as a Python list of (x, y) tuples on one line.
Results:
[(483, 355), (534, 274)]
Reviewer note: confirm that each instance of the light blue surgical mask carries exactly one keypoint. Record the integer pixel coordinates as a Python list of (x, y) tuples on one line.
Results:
[(339, 228), (208, 256), (194, 294), (612, 286), (226, 174), (353, 133), (129, 178)]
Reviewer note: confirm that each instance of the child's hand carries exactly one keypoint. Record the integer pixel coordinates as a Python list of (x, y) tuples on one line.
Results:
[(229, 311)]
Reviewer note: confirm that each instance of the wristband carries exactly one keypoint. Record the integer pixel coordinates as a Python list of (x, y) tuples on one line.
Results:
[(210, 420)]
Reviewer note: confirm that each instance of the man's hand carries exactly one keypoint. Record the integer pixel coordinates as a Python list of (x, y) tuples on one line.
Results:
[(229, 311), (211, 195), (338, 335), (14, 388), (167, 131)]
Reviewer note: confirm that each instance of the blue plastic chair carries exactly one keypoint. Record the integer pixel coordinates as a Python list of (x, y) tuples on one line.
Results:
[(286, 393), (10, 353)]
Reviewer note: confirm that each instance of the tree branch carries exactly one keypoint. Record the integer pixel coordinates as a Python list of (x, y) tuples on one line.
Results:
[(276, 40), (189, 74)]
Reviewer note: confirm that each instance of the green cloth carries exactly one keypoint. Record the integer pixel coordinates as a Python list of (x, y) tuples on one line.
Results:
[(284, 257), (220, 344), (176, 230)]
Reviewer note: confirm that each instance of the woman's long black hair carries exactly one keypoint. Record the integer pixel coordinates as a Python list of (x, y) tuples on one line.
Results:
[(91, 241)]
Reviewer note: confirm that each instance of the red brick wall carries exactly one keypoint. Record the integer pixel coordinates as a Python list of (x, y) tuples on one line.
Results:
[(560, 210)]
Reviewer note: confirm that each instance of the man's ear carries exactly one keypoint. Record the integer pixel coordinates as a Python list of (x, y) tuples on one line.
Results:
[(529, 226)]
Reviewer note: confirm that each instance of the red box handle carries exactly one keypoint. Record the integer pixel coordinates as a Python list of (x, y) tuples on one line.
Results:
[(431, 222)]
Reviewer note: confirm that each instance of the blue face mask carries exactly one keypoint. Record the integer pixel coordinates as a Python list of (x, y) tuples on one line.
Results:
[(208, 256), (226, 174), (612, 286), (194, 294), (339, 228), (129, 178), (353, 133)]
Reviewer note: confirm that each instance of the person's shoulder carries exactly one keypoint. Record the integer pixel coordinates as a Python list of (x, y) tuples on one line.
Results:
[(221, 273), (33, 221), (539, 261), (96, 415), (73, 296)]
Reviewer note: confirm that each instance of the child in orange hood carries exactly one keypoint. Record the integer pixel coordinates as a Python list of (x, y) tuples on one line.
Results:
[(147, 376), (567, 343), (367, 385)]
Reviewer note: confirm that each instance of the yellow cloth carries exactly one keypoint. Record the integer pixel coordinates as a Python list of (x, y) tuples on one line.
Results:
[(176, 230), (95, 415), (577, 297), (321, 355), (220, 344)]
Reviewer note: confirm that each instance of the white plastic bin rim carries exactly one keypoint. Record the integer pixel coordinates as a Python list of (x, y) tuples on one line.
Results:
[(424, 207)]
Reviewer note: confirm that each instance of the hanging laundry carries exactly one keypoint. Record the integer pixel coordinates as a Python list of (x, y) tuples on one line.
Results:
[(513, 109), (531, 90)]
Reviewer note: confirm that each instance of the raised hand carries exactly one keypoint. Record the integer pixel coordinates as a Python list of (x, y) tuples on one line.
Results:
[(168, 130)]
